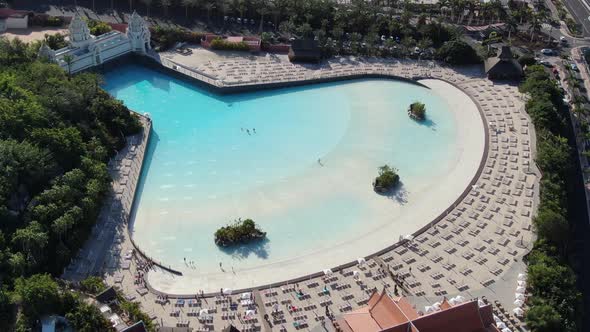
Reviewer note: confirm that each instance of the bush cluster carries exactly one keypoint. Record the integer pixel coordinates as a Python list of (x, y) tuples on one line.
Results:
[(56, 41), (165, 37), (222, 44), (556, 301), (240, 231), (387, 179), (417, 110), (98, 28)]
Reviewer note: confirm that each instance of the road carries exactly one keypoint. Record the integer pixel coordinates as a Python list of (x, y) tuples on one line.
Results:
[(580, 10)]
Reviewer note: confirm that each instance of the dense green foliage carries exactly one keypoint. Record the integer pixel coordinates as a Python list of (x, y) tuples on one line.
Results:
[(240, 231), (387, 179), (98, 28), (417, 110), (87, 318), (56, 135), (458, 52), (40, 295), (55, 41), (556, 301), (92, 285), (165, 37), (222, 44), (370, 28)]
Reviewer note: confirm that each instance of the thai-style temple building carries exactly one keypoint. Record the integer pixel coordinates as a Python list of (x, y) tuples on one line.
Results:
[(86, 50), (384, 314)]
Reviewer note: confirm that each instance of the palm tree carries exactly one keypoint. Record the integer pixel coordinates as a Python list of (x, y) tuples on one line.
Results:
[(69, 59), (166, 5), (209, 6), (338, 33), (240, 6), (147, 4), (536, 22), (512, 26), (186, 3), (263, 10)]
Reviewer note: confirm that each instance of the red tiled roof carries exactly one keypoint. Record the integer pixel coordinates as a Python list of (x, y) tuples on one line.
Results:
[(7, 12), (384, 314), (463, 317), (121, 27)]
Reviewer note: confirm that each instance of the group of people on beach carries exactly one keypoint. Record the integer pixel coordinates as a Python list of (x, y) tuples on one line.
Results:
[(248, 130), (190, 264)]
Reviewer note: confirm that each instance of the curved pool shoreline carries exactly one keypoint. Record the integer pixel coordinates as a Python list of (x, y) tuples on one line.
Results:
[(386, 249)]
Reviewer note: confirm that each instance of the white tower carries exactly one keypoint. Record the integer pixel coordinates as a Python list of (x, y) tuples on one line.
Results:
[(138, 34), (46, 52), (79, 32)]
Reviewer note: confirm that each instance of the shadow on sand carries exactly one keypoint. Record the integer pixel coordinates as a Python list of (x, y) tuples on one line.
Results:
[(399, 194), (259, 248)]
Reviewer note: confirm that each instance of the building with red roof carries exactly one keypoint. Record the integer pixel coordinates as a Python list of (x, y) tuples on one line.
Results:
[(385, 314)]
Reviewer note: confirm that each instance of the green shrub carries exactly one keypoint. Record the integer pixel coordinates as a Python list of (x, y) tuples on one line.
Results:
[(92, 285), (165, 37), (54, 21), (222, 44), (98, 28), (387, 179), (239, 232), (417, 110), (56, 41)]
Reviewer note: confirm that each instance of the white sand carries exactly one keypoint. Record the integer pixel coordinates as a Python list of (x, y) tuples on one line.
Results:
[(32, 34), (422, 207)]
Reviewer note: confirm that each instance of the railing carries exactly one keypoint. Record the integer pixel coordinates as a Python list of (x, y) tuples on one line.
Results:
[(190, 72)]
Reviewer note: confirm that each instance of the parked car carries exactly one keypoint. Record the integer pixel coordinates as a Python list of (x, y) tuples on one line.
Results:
[(547, 51), (546, 63), (574, 67), (563, 40)]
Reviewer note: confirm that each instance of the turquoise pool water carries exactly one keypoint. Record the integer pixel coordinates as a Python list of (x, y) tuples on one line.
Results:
[(214, 158)]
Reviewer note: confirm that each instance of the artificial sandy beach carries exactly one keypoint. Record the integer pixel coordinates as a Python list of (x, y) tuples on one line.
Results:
[(423, 205)]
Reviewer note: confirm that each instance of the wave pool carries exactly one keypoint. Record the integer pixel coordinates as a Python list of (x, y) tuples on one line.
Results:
[(299, 162)]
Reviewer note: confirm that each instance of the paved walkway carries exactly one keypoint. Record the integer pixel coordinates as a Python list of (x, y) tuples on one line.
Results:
[(475, 250)]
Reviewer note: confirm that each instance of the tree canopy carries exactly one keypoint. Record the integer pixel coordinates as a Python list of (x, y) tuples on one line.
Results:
[(556, 302), (57, 134)]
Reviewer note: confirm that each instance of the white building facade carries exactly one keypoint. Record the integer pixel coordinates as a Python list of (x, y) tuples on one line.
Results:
[(86, 51), (13, 19)]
